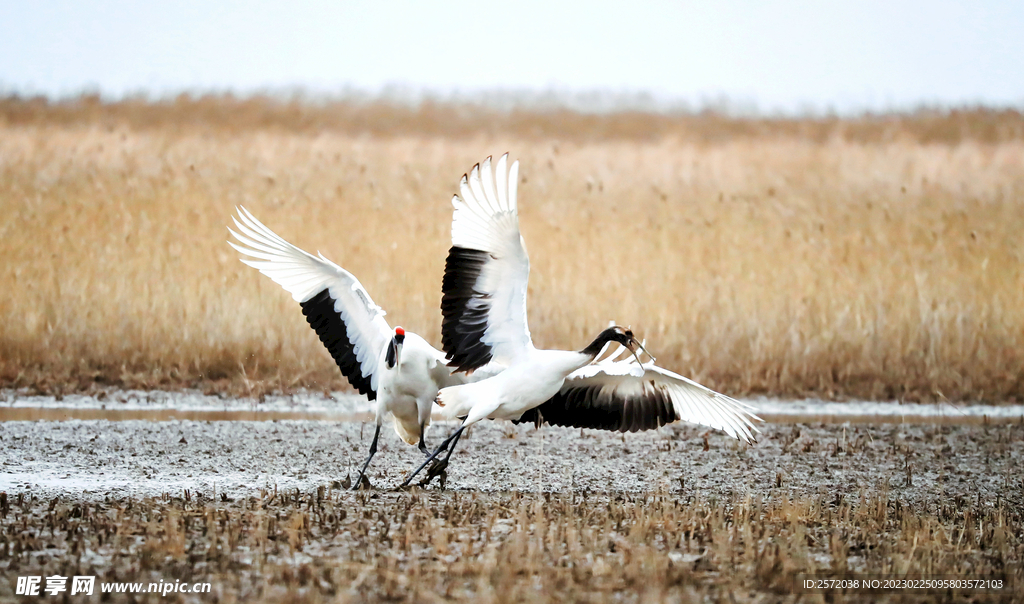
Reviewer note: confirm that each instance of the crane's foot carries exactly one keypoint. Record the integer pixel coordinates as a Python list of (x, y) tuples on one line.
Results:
[(361, 483), (442, 480), (436, 469)]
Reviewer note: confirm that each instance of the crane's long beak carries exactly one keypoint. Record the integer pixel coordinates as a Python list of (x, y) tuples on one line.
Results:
[(634, 344)]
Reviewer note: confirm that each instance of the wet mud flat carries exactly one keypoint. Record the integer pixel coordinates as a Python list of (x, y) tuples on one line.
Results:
[(258, 510)]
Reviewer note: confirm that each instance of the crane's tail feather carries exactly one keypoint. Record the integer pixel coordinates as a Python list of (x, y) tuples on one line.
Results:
[(454, 401)]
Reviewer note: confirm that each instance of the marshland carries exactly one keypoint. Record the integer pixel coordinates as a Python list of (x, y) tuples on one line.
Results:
[(261, 511), (874, 259)]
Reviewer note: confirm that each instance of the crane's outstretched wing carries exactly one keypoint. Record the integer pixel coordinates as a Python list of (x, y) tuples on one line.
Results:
[(335, 304), (483, 299), (629, 397)]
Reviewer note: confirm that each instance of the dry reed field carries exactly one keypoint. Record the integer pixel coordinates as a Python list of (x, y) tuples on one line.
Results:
[(876, 258)]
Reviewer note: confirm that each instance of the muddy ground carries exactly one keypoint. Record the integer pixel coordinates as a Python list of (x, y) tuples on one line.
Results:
[(920, 464), (257, 508)]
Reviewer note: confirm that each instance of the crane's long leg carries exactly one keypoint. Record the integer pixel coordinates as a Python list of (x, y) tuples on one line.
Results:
[(373, 450), (441, 466), (444, 445), (423, 445)]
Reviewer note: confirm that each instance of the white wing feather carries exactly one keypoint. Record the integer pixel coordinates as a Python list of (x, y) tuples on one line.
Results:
[(304, 275), (692, 402), (486, 219)]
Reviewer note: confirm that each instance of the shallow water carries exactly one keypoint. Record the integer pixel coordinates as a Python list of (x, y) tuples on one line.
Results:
[(343, 407), (813, 412), (60, 414)]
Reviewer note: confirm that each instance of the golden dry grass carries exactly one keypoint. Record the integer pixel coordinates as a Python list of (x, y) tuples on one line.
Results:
[(786, 260)]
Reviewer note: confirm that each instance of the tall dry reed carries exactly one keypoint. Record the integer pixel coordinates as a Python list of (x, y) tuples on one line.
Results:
[(782, 264), (433, 118)]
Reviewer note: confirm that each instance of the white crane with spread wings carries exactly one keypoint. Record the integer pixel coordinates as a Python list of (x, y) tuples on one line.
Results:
[(484, 308), (397, 368)]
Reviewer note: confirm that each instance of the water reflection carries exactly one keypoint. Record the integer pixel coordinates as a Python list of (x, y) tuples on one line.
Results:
[(776, 415), (60, 414), (947, 419)]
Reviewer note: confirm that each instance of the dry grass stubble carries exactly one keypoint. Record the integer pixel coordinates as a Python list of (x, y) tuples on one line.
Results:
[(774, 265), (501, 547)]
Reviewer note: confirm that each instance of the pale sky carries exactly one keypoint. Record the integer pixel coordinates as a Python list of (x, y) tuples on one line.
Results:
[(777, 56)]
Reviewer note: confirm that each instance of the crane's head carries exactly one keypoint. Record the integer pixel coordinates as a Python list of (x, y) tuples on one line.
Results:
[(394, 355), (622, 335), (615, 333)]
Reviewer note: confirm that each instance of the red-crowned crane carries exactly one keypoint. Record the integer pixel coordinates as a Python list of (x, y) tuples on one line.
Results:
[(397, 368), (484, 308)]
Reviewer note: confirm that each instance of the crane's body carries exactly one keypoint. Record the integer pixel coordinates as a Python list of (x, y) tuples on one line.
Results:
[(406, 391), (523, 386)]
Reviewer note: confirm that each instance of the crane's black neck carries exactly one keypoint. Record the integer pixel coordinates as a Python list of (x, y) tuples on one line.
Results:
[(392, 357), (612, 334)]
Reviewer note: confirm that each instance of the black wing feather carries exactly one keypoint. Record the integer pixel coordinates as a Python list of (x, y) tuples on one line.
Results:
[(603, 408), (464, 310), (320, 313)]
